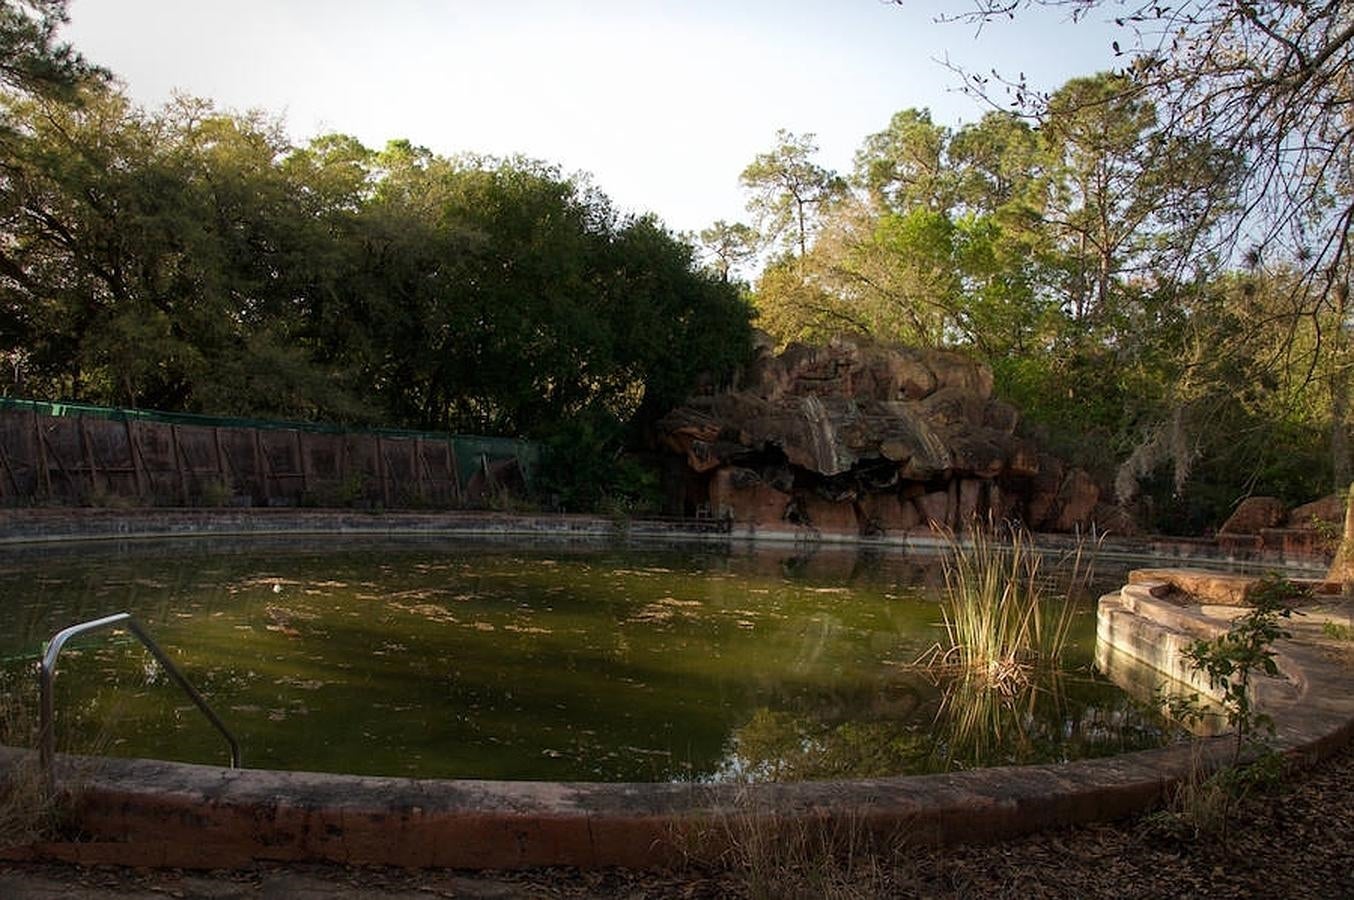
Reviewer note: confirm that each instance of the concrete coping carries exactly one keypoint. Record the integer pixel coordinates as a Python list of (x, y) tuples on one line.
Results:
[(26, 527), (153, 813)]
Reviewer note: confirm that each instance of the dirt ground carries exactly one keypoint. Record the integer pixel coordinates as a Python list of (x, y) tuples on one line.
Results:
[(1293, 840)]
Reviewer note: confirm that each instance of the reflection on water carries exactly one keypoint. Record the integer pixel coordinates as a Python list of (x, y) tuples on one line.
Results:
[(448, 658), (1153, 689)]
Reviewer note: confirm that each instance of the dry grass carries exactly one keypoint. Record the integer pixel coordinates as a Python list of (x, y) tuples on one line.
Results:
[(767, 852), (1200, 805), (31, 809), (28, 810)]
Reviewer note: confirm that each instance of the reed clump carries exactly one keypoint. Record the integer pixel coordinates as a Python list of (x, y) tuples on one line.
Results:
[(1007, 612)]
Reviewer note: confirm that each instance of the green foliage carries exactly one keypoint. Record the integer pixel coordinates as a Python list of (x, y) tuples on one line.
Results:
[(34, 60), (789, 190), (215, 493), (1203, 803), (1071, 254), (905, 166), (728, 245), (1232, 660), (189, 259), (1338, 631), (584, 469), (999, 621)]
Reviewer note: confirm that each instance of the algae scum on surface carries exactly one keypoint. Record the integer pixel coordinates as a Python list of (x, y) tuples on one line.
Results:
[(455, 659)]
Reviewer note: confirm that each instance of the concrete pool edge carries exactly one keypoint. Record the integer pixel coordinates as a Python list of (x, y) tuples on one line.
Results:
[(35, 526), (151, 813)]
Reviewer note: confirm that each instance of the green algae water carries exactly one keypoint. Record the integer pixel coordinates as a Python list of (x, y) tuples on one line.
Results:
[(449, 658)]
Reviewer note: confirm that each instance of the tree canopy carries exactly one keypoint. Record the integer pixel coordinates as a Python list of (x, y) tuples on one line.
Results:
[(32, 59), (191, 259), (1080, 252), (1265, 89), (1155, 260)]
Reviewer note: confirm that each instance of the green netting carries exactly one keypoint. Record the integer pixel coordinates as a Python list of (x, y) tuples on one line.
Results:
[(473, 452)]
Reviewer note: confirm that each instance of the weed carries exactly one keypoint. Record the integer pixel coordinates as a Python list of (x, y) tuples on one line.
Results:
[(503, 499), (1203, 803), (1232, 660), (1199, 805), (215, 493), (29, 810), (102, 498), (1328, 535), (345, 493), (1337, 631), (775, 854)]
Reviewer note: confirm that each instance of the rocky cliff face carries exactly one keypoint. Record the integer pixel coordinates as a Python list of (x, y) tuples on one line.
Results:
[(872, 438)]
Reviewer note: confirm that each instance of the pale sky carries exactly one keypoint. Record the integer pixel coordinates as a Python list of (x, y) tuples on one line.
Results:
[(664, 103)]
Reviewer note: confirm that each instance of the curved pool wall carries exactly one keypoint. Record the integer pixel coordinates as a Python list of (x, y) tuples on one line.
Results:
[(152, 813), (29, 526)]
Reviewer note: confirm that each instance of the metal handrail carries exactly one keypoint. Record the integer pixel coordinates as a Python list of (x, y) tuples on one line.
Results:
[(47, 674)]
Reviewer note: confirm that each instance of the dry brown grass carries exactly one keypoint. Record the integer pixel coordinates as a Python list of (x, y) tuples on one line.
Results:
[(28, 810), (773, 853), (33, 810)]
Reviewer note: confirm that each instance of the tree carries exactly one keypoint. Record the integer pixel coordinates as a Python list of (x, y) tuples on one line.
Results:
[(1253, 102), (32, 60), (159, 260), (1269, 84), (953, 239), (788, 189), (1097, 204), (728, 245), (499, 296), (993, 160), (1123, 197), (187, 259), (905, 165)]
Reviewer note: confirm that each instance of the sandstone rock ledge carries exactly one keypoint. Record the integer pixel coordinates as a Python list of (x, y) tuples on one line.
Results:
[(867, 438)]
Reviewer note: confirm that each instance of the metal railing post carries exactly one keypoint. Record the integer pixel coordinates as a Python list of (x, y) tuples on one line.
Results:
[(47, 675)]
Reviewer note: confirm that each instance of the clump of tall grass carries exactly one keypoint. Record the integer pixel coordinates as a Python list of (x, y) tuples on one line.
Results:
[(28, 810), (773, 853), (1006, 615), (32, 808)]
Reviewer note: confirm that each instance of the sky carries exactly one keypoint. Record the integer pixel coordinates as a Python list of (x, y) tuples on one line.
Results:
[(664, 103)]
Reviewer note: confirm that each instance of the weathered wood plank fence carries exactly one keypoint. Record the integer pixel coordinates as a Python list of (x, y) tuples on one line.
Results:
[(69, 454)]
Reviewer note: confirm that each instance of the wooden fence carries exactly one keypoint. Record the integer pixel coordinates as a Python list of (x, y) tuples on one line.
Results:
[(64, 454)]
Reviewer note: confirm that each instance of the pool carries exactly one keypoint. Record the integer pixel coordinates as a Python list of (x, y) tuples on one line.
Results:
[(559, 661)]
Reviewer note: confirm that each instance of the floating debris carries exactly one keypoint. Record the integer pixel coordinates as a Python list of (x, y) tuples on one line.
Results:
[(305, 684)]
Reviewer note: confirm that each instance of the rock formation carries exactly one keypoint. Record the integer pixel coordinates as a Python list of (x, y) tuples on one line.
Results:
[(870, 438), (1254, 514), (1310, 531)]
